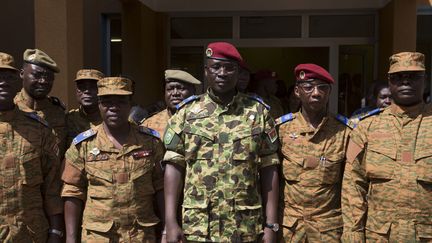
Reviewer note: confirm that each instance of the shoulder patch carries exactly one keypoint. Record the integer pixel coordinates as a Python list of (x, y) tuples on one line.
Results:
[(35, 117), (83, 136), (149, 131), (187, 100), (56, 101), (369, 113), (259, 99), (284, 118), (351, 123)]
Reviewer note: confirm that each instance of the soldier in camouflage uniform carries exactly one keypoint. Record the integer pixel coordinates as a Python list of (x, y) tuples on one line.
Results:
[(38, 78), (87, 115), (114, 170), (30, 205), (313, 151), (224, 142), (179, 86), (387, 187), (266, 87)]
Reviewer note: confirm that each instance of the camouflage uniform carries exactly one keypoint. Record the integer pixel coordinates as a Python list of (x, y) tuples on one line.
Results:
[(313, 160), (222, 149), (158, 121), (117, 186), (50, 109), (387, 188), (77, 121), (30, 182)]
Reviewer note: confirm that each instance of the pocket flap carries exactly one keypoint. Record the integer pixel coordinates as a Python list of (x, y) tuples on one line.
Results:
[(144, 224), (338, 157), (142, 170), (98, 226), (195, 198), (383, 148), (424, 231), (198, 132), (107, 176), (377, 226), (289, 221), (333, 223)]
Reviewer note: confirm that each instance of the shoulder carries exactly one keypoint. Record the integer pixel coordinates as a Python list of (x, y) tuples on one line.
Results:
[(258, 99), (152, 117), (73, 111), (285, 118), (349, 122), (83, 136), (368, 114), (187, 100), (35, 117), (149, 131), (56, 101)]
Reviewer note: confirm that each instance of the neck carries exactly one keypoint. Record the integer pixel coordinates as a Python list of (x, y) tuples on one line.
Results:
[(225, 98), (171, 111), (314, 118), (120, 134), (91, 112)]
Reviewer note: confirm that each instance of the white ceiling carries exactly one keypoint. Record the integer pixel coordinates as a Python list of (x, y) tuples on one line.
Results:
[(260, 5)]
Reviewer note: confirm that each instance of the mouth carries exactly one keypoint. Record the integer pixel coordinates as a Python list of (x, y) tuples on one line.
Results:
[(407, 91)]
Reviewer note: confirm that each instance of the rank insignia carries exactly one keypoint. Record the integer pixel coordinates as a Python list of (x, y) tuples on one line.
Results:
[(141, 154)]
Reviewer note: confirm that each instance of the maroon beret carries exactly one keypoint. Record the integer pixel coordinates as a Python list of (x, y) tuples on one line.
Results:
[(224, 51), (309, 72), (265, 75)]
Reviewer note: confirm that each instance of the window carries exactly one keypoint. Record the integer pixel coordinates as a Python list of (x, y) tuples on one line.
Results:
[(201, 28), (270, 27), (342, 26)]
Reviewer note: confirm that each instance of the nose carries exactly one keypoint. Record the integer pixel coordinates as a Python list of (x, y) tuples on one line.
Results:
[(315, 91)]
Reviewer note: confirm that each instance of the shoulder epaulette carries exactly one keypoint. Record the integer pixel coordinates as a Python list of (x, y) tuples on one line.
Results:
[(83, 136), (35, 117), (351, 123), (284, 118), (57, 101), (187, 100), (259, 99), (149, 131), (369, 113)]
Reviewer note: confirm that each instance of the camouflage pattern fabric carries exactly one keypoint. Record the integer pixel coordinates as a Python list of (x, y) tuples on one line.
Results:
[(77, 122), (29, 181), (313, 161), (117, 185), (387, 187), (52, 113), (158, 121), (276, 109), (222, 149)]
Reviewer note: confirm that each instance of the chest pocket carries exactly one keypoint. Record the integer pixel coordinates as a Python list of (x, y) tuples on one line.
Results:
[(292, 166), (245, 143), (331, 168), (380, 159), (31, 168), (423, 158), (99, 176), (198, 143), (141, 174)]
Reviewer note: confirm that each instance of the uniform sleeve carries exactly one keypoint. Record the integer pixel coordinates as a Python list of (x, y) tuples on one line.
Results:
[(269, 143), (158, 176), (51, 186), (174, 140), (355, 188), (73, 176)]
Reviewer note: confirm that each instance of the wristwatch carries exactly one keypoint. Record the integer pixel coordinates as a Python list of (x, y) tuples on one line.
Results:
[(56, 232), (274, 227)]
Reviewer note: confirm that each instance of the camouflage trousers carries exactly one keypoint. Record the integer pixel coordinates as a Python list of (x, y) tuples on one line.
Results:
[(401, 231), (131, 234), (22, 233), (303, 231)]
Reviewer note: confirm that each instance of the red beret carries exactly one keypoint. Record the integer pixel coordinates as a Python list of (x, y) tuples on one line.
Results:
[(265, 75), (224, 51), (309, 71)]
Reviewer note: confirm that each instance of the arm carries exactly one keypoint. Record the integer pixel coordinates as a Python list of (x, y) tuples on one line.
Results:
[(270, 195), (173, 183), (73, 211)]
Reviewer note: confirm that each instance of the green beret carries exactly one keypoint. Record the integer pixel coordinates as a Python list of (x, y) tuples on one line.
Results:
[(179, 75), (40, 58)]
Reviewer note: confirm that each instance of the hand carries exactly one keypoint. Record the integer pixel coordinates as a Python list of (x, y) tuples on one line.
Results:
[(269, 236), (53, 238), (174, 234)]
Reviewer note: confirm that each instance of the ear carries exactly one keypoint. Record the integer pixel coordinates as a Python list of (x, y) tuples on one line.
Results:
[(297, 91), (21, 74)]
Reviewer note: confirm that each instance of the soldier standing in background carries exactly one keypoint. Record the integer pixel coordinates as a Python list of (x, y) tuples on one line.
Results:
[(313, 150), (387, 186), (114, 170), (220, 142), (38, 78), (30, 206), (266, 87), (179, 86), (87, 115)]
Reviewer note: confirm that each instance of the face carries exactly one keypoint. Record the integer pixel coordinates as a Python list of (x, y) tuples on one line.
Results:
[(407, 87), (313, 95), (271, 86), (221, 75), (176, 92), (37, 80), (86, 92), (243, 79), (114, 110), (9, 85), (384, 98)]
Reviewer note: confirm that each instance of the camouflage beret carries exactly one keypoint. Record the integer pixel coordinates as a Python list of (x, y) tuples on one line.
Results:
[(180, 75), (7, 61), (406, 61), (91, 74), (40, 58), (114, 86)]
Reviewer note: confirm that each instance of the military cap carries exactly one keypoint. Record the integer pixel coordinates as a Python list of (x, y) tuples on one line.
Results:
[(91, 74), (310, 71), (40, 58), (407, 61), (114, 86), (7, 61), (180, 75), (263, 75), (223, 51)]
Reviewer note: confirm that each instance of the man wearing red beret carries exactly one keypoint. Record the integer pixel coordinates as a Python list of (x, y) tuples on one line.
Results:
[(313, 150), (224, 144)]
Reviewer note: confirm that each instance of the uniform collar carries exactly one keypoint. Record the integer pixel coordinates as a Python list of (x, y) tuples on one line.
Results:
[(132, 142), (306, 127), (216, 99), (410, 111), (31, 103)]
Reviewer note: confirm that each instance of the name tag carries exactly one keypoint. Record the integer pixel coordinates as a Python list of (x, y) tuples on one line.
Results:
[(142, 154)]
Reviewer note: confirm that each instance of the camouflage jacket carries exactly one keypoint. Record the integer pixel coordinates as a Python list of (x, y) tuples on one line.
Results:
[(30, 180), (388, 175), (77, 122), (51, 110), (158, 121), (313, 161), (222, 149), (117, 185)]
